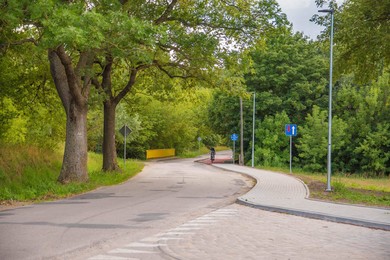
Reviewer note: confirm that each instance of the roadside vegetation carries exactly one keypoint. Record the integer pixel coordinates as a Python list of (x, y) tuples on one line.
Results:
[(351, 189), (29, 174), (203, 150)]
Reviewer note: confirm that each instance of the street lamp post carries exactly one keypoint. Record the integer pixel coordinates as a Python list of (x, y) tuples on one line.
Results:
[(328, 186), (253, 130)]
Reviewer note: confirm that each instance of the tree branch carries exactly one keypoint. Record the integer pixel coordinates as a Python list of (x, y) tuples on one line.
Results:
[(60, 80), (73, 83), (161, 67), (106, 81), (131, 82), (166, 13), (32, 40), (127, 88)]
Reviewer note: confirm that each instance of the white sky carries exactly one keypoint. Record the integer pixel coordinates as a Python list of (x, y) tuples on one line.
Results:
[(299, 13)]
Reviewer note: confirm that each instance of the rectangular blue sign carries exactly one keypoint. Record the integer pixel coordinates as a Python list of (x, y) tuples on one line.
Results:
[(291, 130)]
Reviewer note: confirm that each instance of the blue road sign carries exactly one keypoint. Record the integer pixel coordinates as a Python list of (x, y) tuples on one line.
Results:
[(291, 130), (234, 137)]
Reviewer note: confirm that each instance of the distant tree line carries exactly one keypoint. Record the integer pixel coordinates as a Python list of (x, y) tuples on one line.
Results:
[(290, 77)]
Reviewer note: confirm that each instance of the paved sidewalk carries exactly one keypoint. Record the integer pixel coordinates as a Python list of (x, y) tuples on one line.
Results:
[(282, 193)]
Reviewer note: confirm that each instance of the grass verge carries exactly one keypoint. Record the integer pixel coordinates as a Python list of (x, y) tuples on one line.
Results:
[(29, 174), (353, 190)]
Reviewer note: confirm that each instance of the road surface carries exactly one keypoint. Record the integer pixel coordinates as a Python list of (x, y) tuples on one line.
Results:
[(165, 195), (177, 209)]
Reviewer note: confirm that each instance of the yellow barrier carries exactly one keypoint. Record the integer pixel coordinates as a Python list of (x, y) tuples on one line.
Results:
[(159, 153)]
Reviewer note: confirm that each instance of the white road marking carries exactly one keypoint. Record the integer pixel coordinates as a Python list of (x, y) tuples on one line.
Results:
[(160, 239), (186, 228), (137, 244), (130, 251), (178, 233), (110, 257)]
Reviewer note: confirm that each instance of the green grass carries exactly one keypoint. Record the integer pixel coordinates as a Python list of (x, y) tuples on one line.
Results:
[(203, 150), (30, 174)]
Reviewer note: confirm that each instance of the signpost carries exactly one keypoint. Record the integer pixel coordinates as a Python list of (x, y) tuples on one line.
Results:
[(234, 138), (199, 139), (291, 130), (125, 131)]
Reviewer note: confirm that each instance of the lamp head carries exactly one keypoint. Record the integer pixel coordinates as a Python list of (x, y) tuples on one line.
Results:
[(326, 11)]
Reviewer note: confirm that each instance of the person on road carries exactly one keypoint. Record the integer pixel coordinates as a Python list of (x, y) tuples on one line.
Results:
[(212, 154)]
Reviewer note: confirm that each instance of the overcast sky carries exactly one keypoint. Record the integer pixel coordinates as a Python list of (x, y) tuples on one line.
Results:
[(299, 13)]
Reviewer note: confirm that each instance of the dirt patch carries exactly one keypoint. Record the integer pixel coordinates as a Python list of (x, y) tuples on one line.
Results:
[(11, 204)]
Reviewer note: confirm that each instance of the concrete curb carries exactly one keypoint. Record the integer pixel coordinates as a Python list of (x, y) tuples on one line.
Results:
[(315, 215)]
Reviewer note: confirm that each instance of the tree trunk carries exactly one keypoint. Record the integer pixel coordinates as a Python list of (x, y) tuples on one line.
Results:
[(74, 164), (66, 80), (110, 103), (109, 149)]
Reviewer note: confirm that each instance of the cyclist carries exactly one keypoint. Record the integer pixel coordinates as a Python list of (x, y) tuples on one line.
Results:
[(212, 154)]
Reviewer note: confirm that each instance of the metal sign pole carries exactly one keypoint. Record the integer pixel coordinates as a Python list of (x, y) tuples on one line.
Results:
[(124, 150), (253, 130), (290, 154), (234, 149)]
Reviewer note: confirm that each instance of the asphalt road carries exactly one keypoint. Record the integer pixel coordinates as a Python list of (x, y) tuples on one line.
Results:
[(165, 195)]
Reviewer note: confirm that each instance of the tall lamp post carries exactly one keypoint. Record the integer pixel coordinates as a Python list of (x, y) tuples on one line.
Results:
[(328, 186), (253, 130)]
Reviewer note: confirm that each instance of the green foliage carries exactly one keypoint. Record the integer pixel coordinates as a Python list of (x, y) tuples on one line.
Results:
[(172, 117), (366, 111), (361, 37), (212, 140), (375, 150), (271, 143), (30, 173), (13, 126), (313, 144), (288, 74), (31, 111)]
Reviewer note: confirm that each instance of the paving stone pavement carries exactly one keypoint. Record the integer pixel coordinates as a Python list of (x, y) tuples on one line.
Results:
[(258, 234), (241, 232), (283, 193)]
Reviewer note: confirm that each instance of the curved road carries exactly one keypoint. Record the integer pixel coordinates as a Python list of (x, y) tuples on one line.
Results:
[(178, 209), (165, 195)]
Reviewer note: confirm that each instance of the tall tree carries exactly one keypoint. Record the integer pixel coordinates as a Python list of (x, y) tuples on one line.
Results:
[(289, 73), (362, 29), (182, 39), (70, 33)]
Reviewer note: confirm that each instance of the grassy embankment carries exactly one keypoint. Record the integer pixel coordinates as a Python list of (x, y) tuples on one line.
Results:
[(30, 174), (354, 189)]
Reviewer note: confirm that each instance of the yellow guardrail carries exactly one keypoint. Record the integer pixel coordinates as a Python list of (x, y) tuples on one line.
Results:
[(159, 153)]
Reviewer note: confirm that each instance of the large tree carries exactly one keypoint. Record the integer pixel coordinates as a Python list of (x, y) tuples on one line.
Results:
[(85, 39), (71, 34), (362, 37)]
